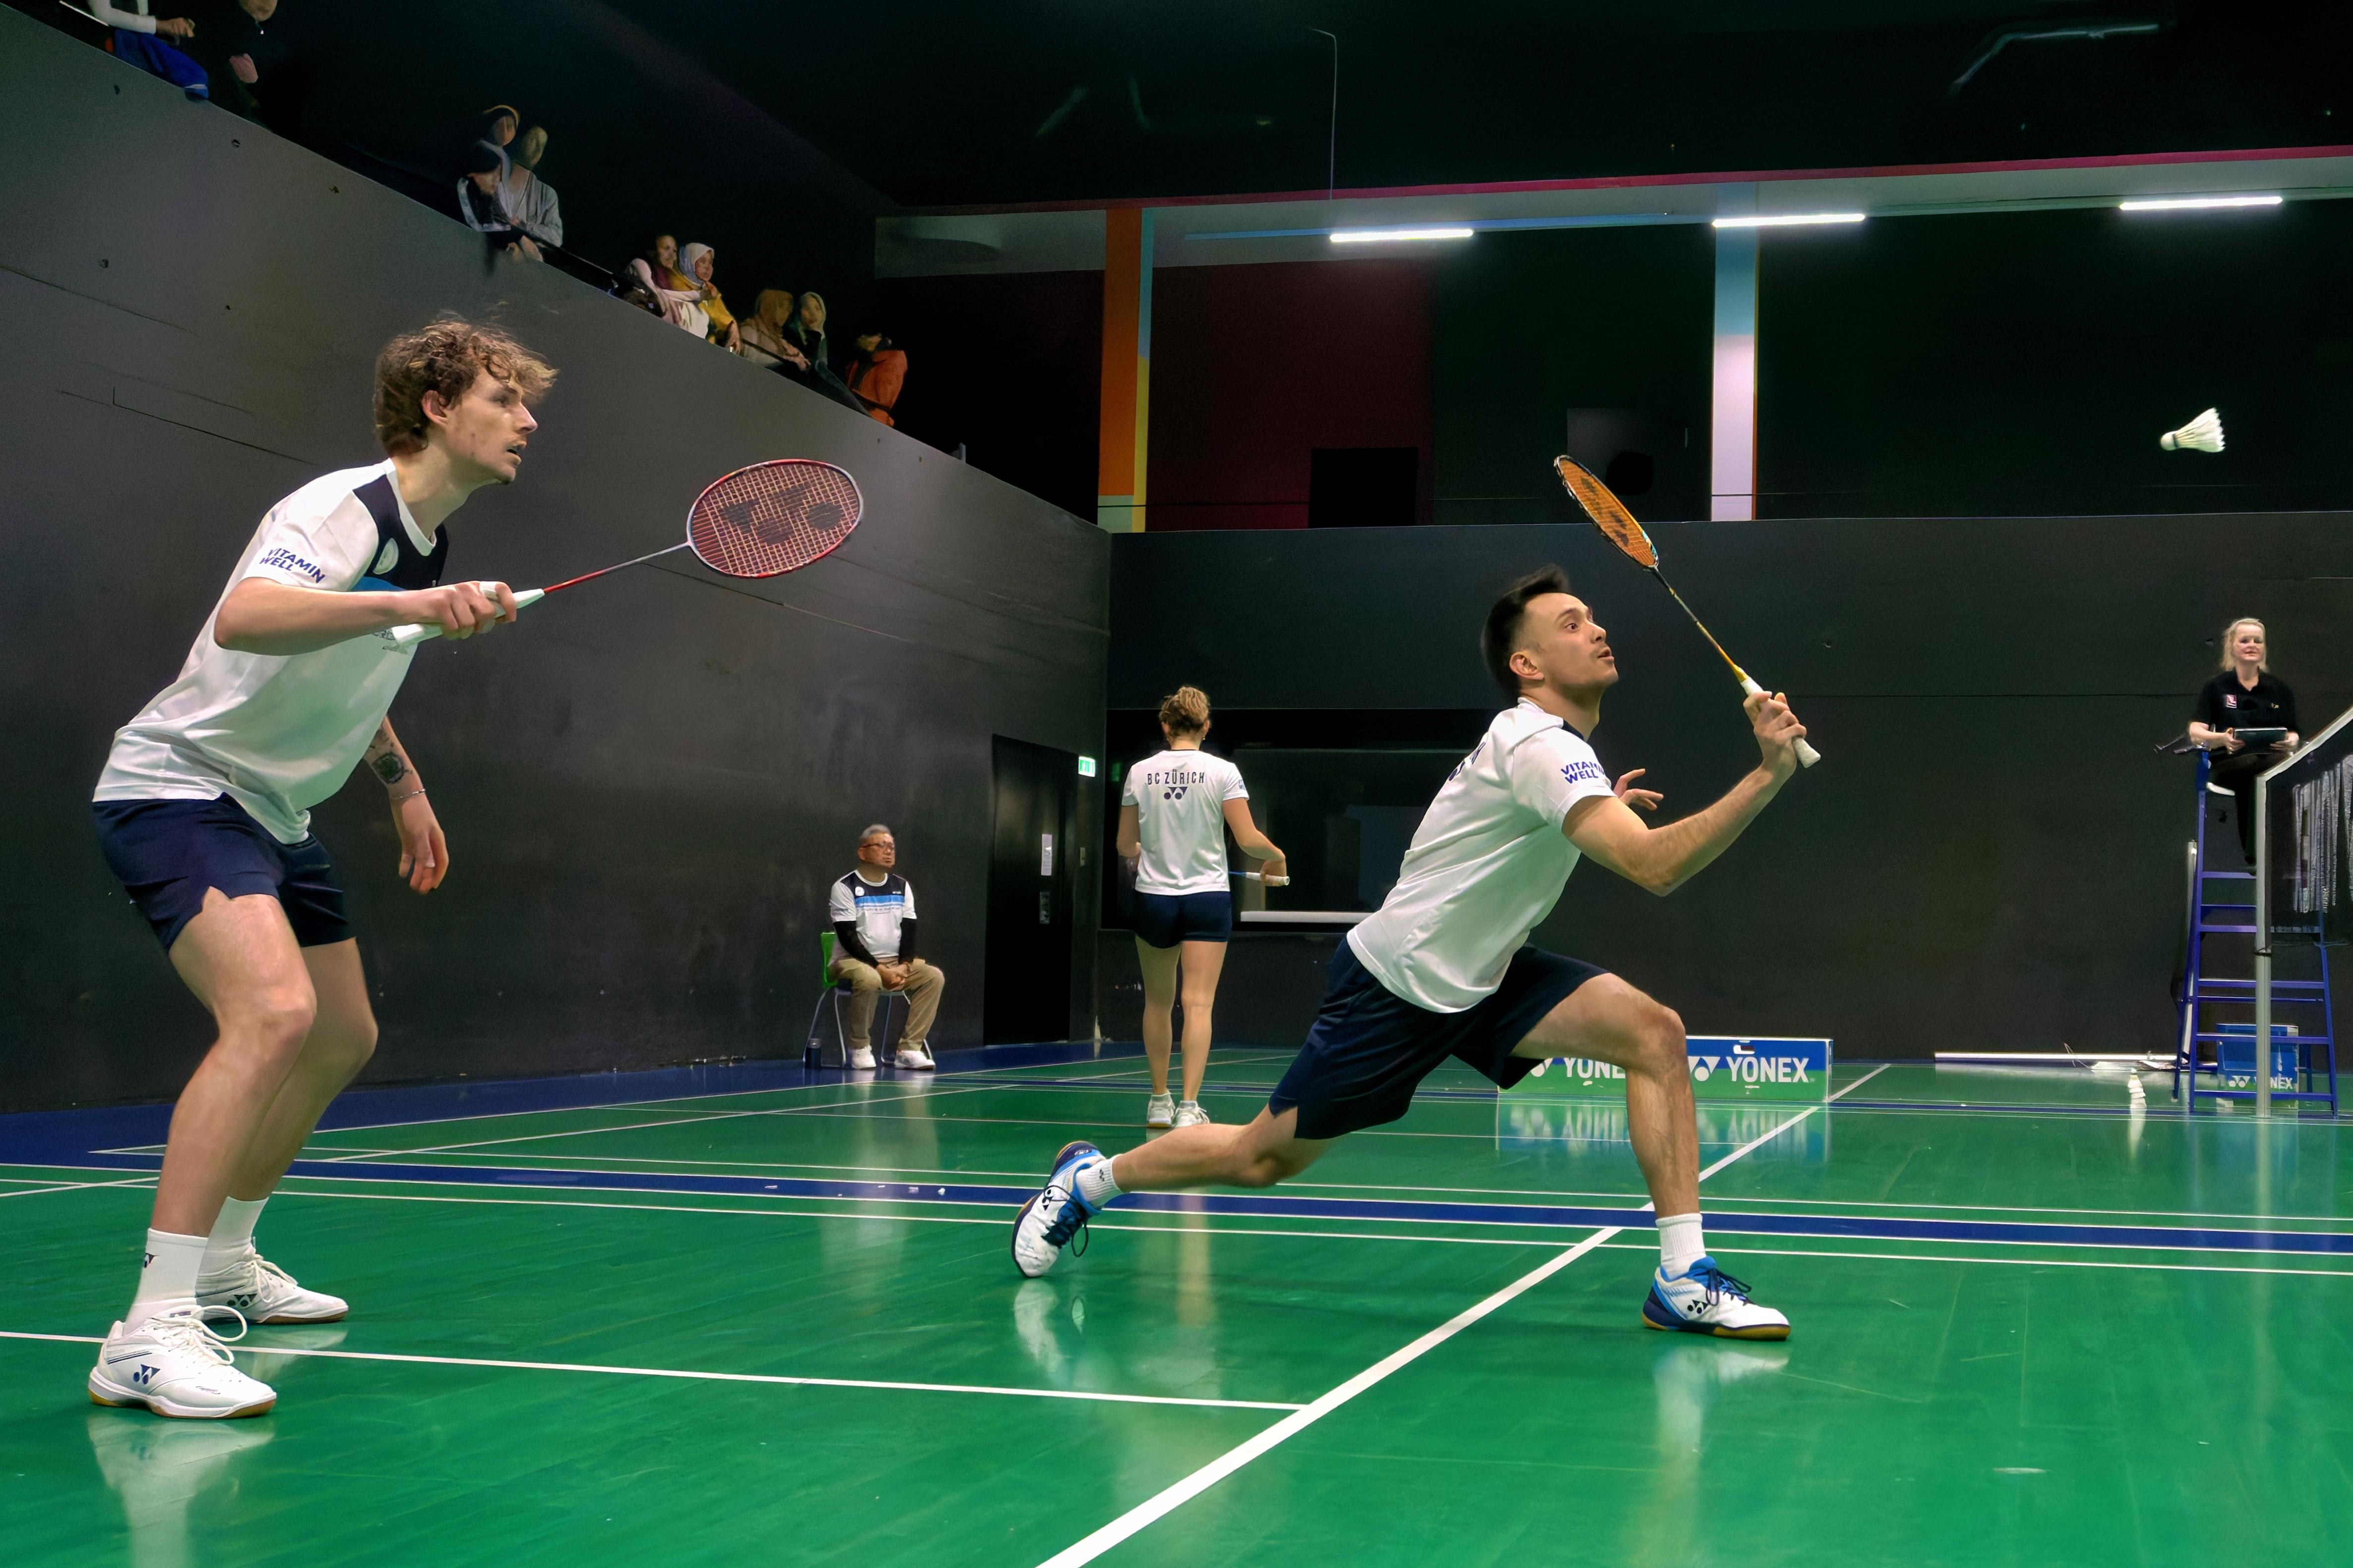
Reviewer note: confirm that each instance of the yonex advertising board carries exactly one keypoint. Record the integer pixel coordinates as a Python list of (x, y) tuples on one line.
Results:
[(1722, 1067)]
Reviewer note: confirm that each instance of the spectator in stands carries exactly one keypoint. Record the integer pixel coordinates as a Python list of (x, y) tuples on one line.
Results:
[(873, 915), (150, 43), (529, 201), (496, 130), (875, 373), (763, 341), (701, 261), (230, 40), (2245, 696), (681, 297), (806, 331), (478, 205)]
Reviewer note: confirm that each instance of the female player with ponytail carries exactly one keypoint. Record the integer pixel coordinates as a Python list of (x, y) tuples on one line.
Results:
[(1172, 817)]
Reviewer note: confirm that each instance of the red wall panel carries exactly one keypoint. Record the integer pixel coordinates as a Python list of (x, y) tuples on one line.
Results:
[(1255, 366)]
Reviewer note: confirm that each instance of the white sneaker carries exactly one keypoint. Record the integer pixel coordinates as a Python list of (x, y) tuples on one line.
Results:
[(1160, 1110), (1705, 1300), (1052, 1218), (917, 1058), (260, 1292), (173, 1364), (1190, 1114), (862, 1058)]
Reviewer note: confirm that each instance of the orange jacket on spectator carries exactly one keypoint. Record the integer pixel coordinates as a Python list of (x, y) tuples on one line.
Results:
[(876, 379)]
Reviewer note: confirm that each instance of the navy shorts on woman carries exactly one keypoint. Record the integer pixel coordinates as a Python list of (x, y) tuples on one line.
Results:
[(1164, 920)]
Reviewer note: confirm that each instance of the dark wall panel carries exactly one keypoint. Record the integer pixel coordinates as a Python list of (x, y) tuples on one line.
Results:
[(2026, 363), (647, 785), (1253, 367), (1992, 858)]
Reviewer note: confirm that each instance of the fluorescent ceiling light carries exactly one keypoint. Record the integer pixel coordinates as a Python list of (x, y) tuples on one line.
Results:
[(1787, 220), (2186, 204), (1378, 236)]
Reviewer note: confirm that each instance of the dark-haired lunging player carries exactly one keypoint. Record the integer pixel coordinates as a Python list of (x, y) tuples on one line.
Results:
[(204, 813), (1443, 969)]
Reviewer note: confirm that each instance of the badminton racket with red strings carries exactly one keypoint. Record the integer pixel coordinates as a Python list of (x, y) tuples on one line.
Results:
[(761, 521), (1618, 525)]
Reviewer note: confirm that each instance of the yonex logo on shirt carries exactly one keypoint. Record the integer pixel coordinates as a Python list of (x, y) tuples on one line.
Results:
[(1578, 771), (285, 559)]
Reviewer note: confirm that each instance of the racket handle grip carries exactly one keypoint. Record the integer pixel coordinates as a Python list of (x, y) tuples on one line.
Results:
[(409, 636), (1263, 876), (1806, 755)]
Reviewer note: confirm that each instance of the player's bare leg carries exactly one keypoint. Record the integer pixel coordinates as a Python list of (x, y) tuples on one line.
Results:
[(1604, 1019), (1203, 962), (1159, 965), (1259, 1154)]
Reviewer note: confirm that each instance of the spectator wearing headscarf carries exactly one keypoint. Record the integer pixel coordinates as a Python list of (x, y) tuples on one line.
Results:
[(875, 373), (482, 210), (495, 130), (763, 341), (806, 331), (701, 261), (529, 201), (681, 297)]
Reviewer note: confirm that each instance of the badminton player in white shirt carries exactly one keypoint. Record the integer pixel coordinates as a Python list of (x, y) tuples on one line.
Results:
[(203, 813), (1173, 816), (1443, 969)]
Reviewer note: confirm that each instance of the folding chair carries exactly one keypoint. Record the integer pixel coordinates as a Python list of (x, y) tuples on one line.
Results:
[(837, 1053)]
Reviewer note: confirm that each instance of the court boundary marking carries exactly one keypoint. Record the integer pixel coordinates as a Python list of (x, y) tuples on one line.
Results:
[(1102, 1539), (1088, 1395)]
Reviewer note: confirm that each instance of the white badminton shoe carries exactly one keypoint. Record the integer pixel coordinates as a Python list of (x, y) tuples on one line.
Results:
[(260, 1292), (174, 1365), (915, 1058), (1055, 1216), (1705, 1300), (862, 1058), (1190, 1114), (1160, 1110)]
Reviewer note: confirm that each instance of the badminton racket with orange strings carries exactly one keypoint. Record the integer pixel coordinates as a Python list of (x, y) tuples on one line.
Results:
[(1618, 525), (759, 522)]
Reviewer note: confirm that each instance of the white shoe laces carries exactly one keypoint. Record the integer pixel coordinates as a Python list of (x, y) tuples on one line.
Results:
[(186, 1331)]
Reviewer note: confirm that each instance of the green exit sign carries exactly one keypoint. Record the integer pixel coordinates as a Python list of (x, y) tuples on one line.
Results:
[(1086, 767)]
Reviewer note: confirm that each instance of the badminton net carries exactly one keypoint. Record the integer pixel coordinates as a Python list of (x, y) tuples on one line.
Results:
[(2305, 859)]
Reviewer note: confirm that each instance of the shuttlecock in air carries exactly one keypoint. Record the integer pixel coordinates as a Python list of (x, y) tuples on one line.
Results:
[(2203, 434)]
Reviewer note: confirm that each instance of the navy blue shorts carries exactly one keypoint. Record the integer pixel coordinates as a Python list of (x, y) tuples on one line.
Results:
[(168, 852), (1369, 1048), (1164, 920)]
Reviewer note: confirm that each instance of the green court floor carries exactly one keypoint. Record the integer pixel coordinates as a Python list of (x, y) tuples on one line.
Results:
[(2036, 1322)]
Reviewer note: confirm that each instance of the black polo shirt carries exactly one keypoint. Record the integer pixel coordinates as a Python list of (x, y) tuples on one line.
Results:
[(2225, 704)]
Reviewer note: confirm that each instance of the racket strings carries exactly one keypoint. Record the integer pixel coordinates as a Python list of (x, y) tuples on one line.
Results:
[(773, 518), (1608, 512)]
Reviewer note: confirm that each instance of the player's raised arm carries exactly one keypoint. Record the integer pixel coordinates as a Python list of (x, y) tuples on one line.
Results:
[(261, 615), (1663, 858)]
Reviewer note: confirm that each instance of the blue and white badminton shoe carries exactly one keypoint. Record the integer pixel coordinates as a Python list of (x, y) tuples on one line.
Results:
[(1705, 1300), (1050, 1221)]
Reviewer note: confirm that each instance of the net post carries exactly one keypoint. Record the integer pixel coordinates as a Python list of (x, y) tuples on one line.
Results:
[(2262, 1058)]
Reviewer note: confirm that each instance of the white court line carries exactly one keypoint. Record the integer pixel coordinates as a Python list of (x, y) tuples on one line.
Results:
[(715, 1376), (144, 1181), (1201, 1480), (1532, 1241)]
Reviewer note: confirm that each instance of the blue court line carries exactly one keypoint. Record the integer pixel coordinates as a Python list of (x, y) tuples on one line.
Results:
[(2207, 1239)]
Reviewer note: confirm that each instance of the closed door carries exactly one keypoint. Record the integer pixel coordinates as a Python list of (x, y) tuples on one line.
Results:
[(1027, 986)]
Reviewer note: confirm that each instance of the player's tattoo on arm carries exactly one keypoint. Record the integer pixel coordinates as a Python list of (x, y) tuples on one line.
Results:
[(387, 759)]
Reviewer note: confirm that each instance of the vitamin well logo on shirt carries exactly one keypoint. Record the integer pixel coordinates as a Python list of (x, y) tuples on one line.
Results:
[(285, 559), (1578, 771)]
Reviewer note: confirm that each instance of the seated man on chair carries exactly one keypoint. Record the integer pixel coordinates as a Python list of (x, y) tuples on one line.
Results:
[(874, 932)]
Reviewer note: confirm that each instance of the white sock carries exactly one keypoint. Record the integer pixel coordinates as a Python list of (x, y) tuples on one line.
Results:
[(231, 1241), (169, 1277), (1094, 1183), (1680, 1242)]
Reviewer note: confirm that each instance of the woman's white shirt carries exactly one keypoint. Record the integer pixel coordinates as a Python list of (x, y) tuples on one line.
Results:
[(1180, 820)]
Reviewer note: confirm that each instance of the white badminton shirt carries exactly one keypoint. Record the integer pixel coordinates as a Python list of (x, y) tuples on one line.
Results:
[(1180, 820), (279, 733), (1486, 865)]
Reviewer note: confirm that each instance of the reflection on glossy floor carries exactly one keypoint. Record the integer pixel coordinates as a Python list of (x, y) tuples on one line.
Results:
[(774, 1320)]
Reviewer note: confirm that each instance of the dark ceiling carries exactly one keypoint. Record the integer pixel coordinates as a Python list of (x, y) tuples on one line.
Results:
[(948, 101)]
